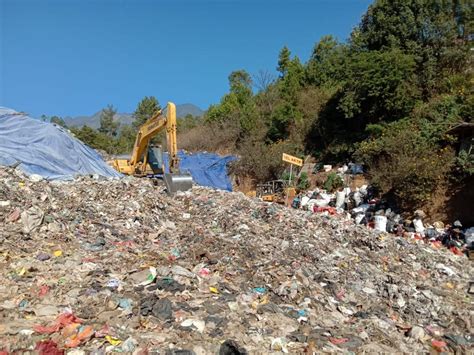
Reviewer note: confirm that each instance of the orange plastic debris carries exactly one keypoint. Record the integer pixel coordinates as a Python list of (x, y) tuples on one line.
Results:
[(438, 344), (63, 320), (84, 333)]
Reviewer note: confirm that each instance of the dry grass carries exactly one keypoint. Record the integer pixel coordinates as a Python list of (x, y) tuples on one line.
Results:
[(218, 138)]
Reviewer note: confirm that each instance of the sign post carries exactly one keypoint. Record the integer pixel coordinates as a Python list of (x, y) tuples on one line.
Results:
[(293, 161)]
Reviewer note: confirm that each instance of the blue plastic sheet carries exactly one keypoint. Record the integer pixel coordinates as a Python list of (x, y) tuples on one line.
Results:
[(46, 149), (207, 169)]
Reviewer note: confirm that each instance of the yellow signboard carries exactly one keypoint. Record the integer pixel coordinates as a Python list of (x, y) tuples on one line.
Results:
[(292, 160)]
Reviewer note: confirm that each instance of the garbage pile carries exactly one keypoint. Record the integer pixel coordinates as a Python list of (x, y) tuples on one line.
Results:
[(45, 150), (364, 208), (97, 265)]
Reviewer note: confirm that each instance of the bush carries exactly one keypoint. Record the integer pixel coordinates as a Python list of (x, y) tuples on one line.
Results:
[(260, 160), (333, 182), (407, 161), (211, 136), (303, 182), (465, 163)]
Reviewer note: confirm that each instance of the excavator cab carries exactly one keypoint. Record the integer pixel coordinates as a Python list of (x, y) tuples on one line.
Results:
[(155, 159)]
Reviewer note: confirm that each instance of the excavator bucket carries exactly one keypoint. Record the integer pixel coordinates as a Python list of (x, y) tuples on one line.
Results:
[(177, 182)]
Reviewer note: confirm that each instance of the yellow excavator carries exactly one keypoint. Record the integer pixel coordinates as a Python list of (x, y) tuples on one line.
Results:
[(147, 159)]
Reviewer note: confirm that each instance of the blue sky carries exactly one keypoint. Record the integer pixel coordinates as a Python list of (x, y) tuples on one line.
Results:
[(73, 57)]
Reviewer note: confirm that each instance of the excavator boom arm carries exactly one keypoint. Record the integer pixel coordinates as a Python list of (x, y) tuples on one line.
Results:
[(171, 138), (150, 129), (146, 132), (138, 163)]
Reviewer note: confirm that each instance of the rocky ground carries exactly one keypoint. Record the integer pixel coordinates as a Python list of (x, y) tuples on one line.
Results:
[(95, 266)]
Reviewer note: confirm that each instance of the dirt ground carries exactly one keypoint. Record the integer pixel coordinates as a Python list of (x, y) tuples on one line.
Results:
[(448, 204)]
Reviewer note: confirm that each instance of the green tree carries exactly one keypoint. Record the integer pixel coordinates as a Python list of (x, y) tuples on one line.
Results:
[(107, 124), (436, 32), (146, 108), (287, 112), (379, 85), (240, 84), (188, 122), (126, 139), (238, 105), (86, 134), (58, 120), (283, 61), (327, 63)]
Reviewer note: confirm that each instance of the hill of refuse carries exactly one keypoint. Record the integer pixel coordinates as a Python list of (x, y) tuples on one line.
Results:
[(100, 265), (46, 149)]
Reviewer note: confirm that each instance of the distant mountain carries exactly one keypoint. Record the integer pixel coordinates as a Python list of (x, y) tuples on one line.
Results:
[(127, 118), (188, 109)]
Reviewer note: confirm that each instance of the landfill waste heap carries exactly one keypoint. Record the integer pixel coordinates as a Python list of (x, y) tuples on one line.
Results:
[(98, 265)]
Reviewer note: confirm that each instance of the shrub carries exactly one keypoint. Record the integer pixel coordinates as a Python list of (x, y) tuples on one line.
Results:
[(303, 182), (211, 137), (333, 182), (406, 162)]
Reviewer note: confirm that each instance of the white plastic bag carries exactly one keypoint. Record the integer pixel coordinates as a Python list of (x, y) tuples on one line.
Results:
[(304, 201), (340, 197), (380, 223), (419, 228)]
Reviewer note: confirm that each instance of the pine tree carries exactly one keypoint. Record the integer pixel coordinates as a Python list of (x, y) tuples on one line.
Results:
[(146, 108), (107, 124)]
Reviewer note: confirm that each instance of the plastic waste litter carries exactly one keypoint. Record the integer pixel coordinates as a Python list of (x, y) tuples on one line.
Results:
[(380, 223)]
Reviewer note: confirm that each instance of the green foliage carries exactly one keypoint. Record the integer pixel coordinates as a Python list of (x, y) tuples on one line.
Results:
[(283, 61), (93, 138), (285, 176), (107, 124), (436, 32), (327, 63), (385, 98), (125, 140), (409, 158), (465, 163), (333, 182), (58, 120), (238, 105), (379, 86), (146, 108), (286, 112), (188, 122), (303, 181), (260, 159)]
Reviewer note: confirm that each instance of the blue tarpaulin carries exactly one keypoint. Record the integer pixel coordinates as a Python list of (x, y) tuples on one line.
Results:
[(46, 149), (50, 151), (207, 169)]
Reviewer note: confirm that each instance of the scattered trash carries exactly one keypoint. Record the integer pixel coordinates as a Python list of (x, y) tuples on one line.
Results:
[(279, 344), (32, 219), (231, 347), (111, 266)]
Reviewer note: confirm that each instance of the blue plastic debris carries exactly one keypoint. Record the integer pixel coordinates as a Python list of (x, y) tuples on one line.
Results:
[(260, 290), (207, 169), (125, 303)]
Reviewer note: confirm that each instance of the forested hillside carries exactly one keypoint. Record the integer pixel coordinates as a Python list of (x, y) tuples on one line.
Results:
[(385, 98)]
